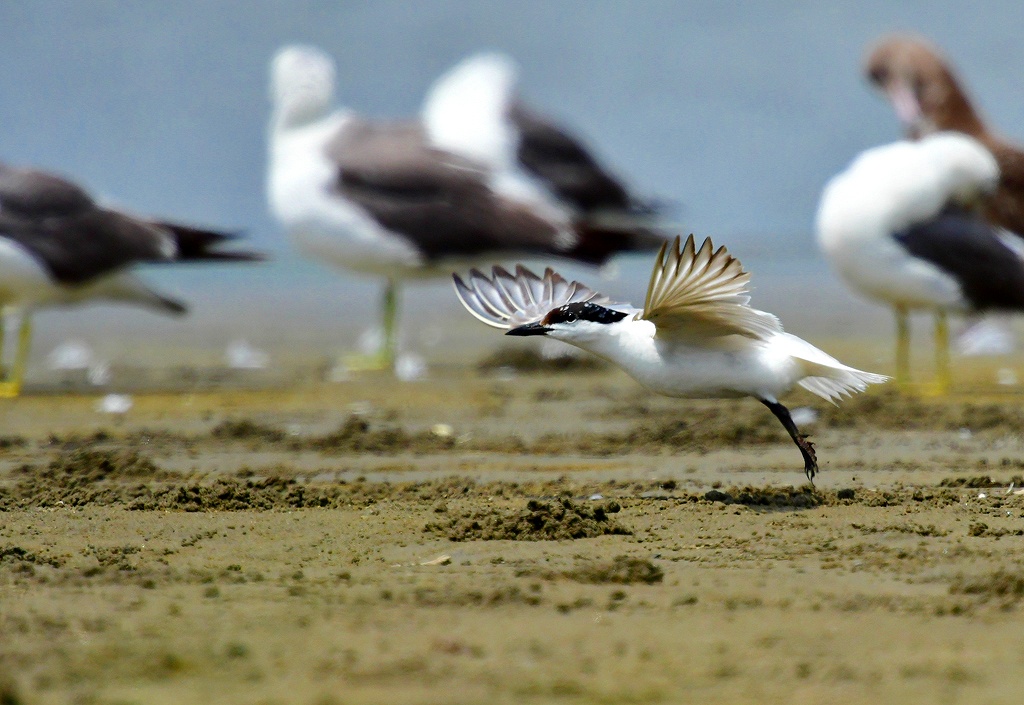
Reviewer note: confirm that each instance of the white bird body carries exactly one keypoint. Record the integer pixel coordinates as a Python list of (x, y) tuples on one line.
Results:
[(898, 226), (728, 367), (696, 337), (883, 192)]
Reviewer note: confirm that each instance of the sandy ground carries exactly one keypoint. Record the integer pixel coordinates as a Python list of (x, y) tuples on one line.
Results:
[(509, 538)]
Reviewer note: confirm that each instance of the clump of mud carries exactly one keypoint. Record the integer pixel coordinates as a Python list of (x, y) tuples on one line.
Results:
[(1001, 586), (357, 435), (19, 563), (980, 481), (672, 435), (682, 434), (623, 570), (530, 360), (539, 521), (79, 477), (247, 429), (9, 693), (981, 529), (888, 409), (71, 441), (902, 528), (800, 497), (16, 555), (8, 442), (87, 465)]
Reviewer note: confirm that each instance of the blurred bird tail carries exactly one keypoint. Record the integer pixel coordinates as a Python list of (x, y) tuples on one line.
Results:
[(164, 304), (655, 207), (197, 244)]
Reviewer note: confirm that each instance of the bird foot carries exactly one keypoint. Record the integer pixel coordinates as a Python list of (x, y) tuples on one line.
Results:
[(810, 457)]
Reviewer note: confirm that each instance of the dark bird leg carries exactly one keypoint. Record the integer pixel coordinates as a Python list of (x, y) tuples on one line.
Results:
[(805, 446)]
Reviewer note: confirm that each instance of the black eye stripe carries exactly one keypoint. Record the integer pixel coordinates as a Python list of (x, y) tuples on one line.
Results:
[(584, 311)]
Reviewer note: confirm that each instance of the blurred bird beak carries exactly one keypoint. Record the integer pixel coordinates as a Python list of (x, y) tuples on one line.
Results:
[(907, 107), (529, 329)]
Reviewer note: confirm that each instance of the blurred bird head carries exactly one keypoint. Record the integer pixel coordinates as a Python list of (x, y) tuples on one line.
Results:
[(301, 84), (920, 85)]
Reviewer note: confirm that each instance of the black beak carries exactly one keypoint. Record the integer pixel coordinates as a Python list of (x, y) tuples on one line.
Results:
[(529, 329)]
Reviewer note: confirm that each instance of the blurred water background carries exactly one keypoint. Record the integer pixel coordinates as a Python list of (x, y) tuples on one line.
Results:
[(739, 112)]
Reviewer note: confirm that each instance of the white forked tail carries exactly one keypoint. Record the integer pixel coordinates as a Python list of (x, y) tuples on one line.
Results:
[(826, 376), (506, 301), (841, 383)]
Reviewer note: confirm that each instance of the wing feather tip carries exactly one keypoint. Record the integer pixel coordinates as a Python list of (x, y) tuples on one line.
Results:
[(524, 297)]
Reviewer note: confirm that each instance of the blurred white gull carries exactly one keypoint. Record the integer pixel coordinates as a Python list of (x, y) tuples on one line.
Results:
[(474, 110), (696, 336), (379, 198), (899, 225), (59, 247)]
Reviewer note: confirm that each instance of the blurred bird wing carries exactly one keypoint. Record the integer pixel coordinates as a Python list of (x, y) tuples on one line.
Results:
[(565, 165), (443, 204), (506, 300), (702, 293), (31, 193), (395, 159)]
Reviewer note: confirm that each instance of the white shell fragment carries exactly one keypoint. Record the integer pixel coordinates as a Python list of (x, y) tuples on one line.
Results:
[(240, 355), (115, 404)]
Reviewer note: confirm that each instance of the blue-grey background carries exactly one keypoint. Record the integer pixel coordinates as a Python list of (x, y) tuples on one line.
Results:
[(738, 111)]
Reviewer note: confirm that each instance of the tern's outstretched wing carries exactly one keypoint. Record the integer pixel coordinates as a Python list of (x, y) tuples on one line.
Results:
[(504, 300), (703, 294)]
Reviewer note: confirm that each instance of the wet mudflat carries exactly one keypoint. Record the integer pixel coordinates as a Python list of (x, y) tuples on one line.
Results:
[(487, 538)]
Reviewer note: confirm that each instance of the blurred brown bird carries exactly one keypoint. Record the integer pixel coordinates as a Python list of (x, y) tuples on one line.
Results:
[(927, 96)]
